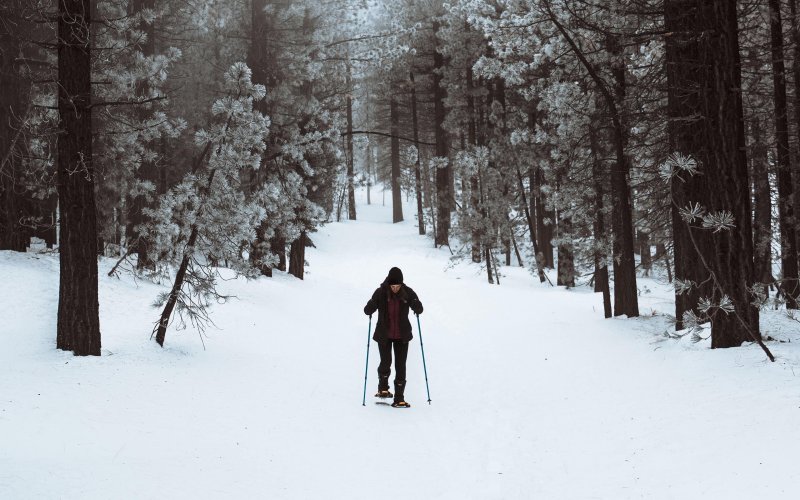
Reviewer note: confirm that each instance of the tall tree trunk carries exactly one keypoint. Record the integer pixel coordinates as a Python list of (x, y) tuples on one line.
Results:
[(417, 165), (351, 193), (486, 242), (500, 94), (566, 260), (626, 300), (705, 109), (472, 139), (160, 329), (526, 208), (369, 173), (601, 283), (685, 128), (180, 275), (369, 152), (17, 205), (762, 213), (259, 59), (397, 196), (625, 292), (297, 256), (278, 248), (297, 248), (13, 100), (148, 171), (795, 31), (786, 220), (263, 61), (443, 178), (542, 238), (78, 324), (531, 231), (545, 219), (489, 273)]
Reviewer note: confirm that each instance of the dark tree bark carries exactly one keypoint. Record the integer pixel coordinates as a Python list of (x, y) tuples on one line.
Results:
[(626, 300), (486, 243), (160, 329), (528, 218), (472, 139), (544, 219), (531, 232), (13, 101), (786, 221), (685, 128), (762, 213), (351, 192), (259, 252), (297, 256), (500, 95), (625, 292), (369, 174), (566, 259), (12, 236), (397, 196), (417, 164), (263, 61), (443, 177), (601, 283), (260, 58), (490, 232), (705, 111), (78, 325), (795, 32)]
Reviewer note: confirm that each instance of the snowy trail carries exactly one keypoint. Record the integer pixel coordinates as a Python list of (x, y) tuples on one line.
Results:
[(534, 395)]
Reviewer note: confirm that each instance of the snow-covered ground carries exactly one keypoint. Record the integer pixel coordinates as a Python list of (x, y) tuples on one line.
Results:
[(534, 394)]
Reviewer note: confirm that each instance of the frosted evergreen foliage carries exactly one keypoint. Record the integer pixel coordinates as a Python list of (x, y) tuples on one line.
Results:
[(132, 110), (211, 202)]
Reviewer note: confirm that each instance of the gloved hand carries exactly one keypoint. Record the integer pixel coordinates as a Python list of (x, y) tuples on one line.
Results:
[(416, 306)]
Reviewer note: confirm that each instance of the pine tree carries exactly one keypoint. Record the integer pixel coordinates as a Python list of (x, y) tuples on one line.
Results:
[(194, 225), (786, 220), (704, 78), (78, 327)]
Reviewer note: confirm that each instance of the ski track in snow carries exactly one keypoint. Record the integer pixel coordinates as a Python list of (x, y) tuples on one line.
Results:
[(534, 394)]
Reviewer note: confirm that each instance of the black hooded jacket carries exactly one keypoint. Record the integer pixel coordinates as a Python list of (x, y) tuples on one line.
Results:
[(379, 302)]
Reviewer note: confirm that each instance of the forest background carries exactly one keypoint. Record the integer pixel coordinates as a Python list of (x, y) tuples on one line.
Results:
[(608, 140)]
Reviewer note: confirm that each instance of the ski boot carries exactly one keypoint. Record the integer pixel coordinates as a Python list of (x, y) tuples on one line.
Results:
[(384, 394), (399, 389), (383, 388)]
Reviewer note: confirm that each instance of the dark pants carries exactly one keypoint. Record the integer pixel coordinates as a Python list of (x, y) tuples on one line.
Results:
[(384, 369)]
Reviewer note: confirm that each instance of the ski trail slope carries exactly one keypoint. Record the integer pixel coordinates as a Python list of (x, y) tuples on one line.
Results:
[(534, 394)]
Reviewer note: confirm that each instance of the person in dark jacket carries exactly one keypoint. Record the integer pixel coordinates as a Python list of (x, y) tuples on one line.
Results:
[(392, 300)]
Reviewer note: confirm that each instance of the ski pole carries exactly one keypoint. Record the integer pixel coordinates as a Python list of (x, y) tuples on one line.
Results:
[(424, 367), (366, 368)]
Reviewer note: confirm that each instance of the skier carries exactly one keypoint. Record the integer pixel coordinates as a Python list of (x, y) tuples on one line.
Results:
[(392, 300)]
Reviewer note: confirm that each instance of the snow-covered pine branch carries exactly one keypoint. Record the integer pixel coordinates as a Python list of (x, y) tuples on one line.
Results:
[(205, 221)]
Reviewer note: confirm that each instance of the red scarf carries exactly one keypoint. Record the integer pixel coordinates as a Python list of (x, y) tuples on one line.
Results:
[(394, 316)]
